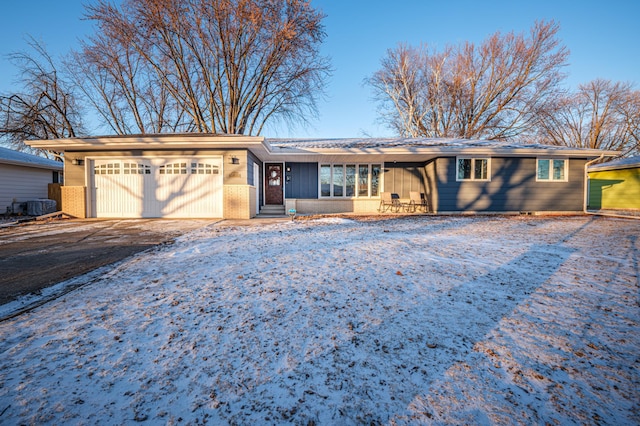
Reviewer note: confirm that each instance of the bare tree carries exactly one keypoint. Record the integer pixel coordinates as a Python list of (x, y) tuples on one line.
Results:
[(123, 89), (224, 66), (47, 108), (491, 91), (601, 115)]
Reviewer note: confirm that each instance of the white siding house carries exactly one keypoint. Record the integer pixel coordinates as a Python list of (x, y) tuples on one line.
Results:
[(25, 177)]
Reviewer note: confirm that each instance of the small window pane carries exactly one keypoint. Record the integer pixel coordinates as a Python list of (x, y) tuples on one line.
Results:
[(363, 181), (464, 168), (480, 169), (375, 179), (338, 181), (350, 181), (558, 169), (543, 169), (325, 180)]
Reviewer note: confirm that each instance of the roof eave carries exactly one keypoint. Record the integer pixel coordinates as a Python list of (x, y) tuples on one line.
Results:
[(32, 165), (434, 151), (146, 142), (602, 168)]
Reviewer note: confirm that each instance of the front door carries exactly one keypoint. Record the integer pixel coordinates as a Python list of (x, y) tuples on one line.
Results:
[(273, 181)]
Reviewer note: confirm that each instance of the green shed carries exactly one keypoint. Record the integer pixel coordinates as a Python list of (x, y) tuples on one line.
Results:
[(615, 184)]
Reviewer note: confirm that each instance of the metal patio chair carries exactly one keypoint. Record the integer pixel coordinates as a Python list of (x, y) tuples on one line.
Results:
[(389, 201), (417, 200)]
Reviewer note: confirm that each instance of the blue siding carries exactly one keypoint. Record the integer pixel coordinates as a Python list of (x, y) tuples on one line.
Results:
[(512, 188), (301, 181), (251, 159)]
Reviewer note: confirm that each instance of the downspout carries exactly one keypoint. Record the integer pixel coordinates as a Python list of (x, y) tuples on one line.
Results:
[(585, 200)]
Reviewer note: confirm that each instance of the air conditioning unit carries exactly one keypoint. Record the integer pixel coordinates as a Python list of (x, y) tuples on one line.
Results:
[(40, 207), (18, 208)]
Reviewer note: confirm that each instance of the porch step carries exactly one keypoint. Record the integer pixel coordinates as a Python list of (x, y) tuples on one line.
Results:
[(272, 211)]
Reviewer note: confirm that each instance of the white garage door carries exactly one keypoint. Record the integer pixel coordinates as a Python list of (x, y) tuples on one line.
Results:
[(155, 187)]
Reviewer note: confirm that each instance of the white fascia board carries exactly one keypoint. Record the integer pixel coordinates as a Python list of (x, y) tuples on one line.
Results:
[(169, 141)]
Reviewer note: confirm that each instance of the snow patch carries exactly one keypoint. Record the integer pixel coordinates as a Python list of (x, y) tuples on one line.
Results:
[(460, 320)]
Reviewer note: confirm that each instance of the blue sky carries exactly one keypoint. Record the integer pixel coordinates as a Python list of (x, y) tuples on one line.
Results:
[(602, 36)]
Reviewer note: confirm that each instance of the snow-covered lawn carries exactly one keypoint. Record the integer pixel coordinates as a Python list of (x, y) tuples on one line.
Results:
[(444, 320)]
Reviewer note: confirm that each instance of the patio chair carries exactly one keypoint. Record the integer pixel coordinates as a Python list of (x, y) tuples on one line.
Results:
[(389, 201), (417, 200)]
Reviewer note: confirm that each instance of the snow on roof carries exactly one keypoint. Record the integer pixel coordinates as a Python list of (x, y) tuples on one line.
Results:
[(313, 146), (10, 156), (619, 163), (369, 143)]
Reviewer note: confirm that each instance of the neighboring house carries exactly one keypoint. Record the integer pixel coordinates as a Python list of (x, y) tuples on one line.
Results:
[(234, 176), (615, 184), (25, 177)]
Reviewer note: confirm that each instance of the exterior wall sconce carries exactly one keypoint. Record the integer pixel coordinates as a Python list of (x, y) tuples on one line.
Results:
[(235, 160), (77, 162)]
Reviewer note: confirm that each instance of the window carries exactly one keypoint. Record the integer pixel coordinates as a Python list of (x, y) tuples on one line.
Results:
[(204, 169), (107, 169), (325, 180), (338, 181), (375, 179), (549, 170), (350, 180), (173, 169), (363, 180), (136, 168), (472, 169)]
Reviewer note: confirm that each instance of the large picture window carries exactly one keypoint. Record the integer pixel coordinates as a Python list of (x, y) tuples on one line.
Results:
[(350, 180), (472, 169), (551, 170)]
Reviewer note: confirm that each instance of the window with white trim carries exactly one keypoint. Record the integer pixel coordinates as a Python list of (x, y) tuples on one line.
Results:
[(472, 169), (350, 180), (551, 170)]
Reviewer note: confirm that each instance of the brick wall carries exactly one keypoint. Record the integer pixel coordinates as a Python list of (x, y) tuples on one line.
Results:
[(308, 206), (74, 201), (239, 202)]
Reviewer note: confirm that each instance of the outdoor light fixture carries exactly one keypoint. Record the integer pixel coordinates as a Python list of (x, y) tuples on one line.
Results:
[(77, 162), (235, 160)]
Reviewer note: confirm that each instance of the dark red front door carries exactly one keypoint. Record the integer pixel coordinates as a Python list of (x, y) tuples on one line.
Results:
[(273, 184)]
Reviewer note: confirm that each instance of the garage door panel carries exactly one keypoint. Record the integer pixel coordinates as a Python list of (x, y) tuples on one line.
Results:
[(188, 187), (117, 194)]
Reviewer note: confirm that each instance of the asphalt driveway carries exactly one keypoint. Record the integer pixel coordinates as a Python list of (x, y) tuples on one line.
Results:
[(36, 255)]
